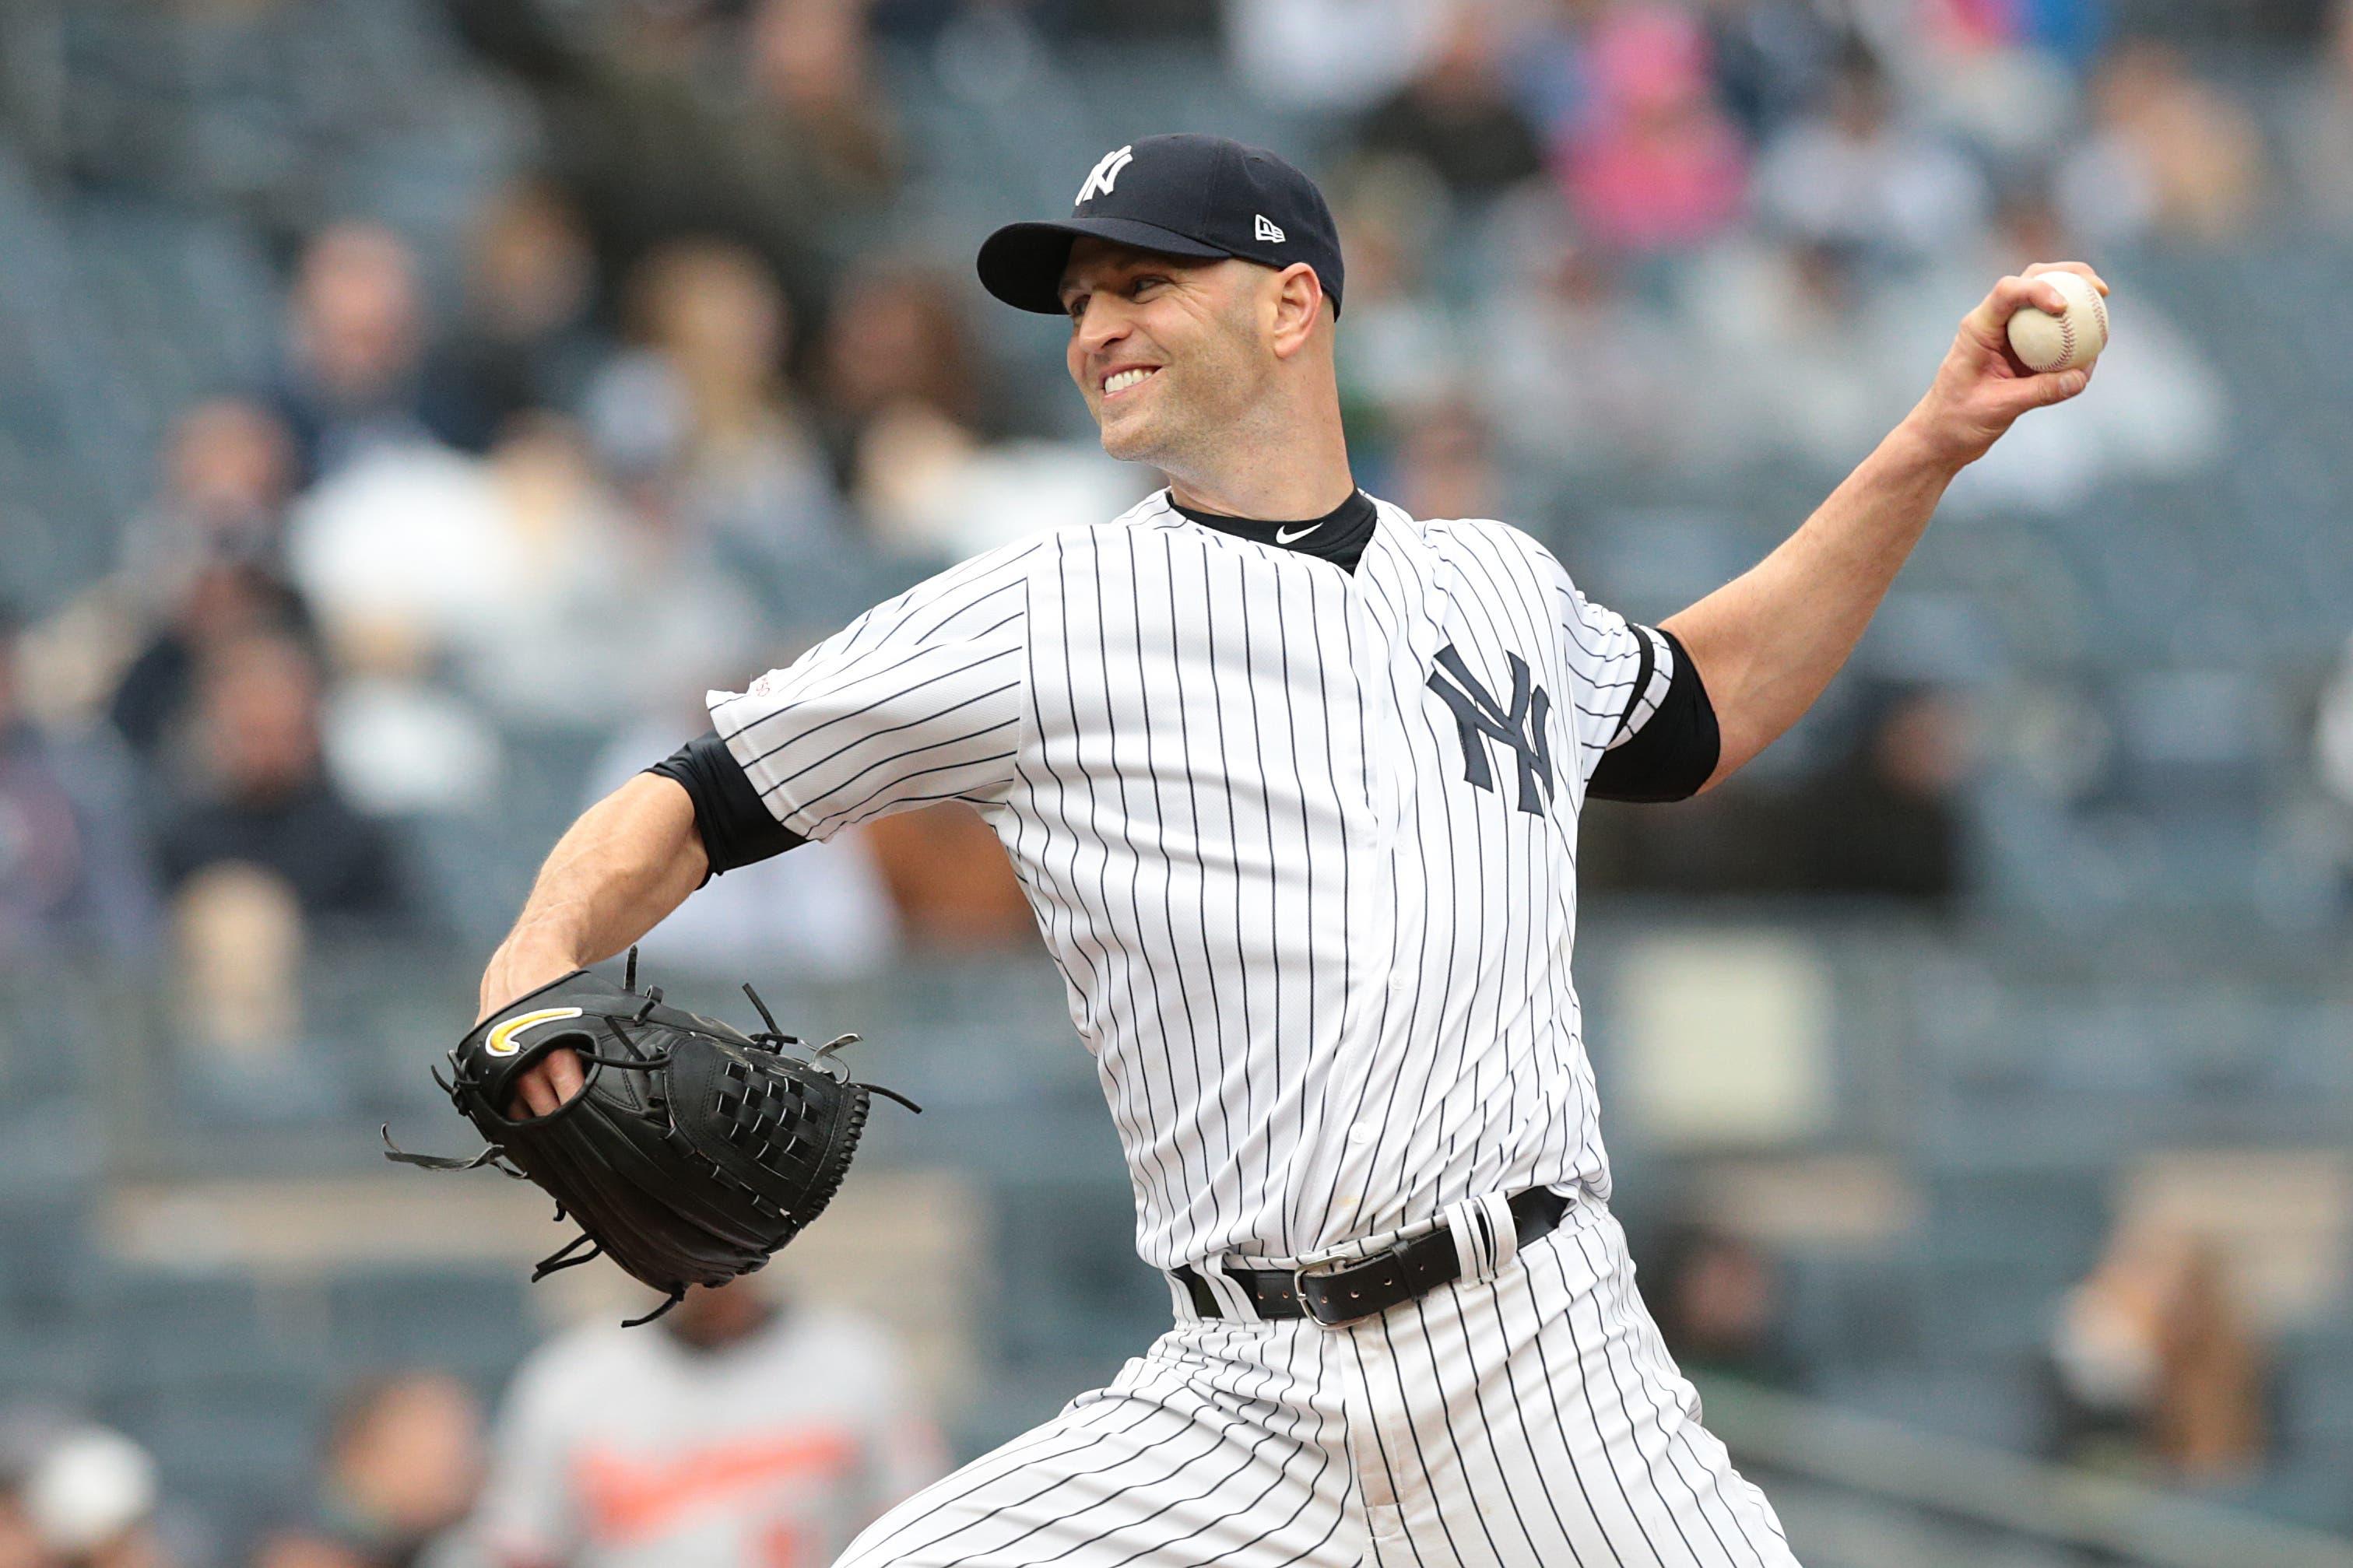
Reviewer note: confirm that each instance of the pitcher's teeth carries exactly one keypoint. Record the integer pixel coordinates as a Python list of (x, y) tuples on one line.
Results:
[(1124, 380)]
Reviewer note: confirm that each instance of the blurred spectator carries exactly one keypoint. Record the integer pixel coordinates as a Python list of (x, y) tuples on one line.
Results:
[(229, 472), (1881, 819), (266, 799), (699, 422), (821, 911), (812, 71), (948, 875), (1792, 356), (241, 945), (525, 341), (224, 601), (738, 1432), (1455, 115), (204, 561), (1331, 56), (1652, 163), (1445, 464), (404, 1459), (73, 874), (1855, 178), (1884, 818), (300, 1547), (894, 339), (1951, 31), (663, 120), (20, 1547), (2168, 155), (1773, 60), (1720, 1308), (402, 1468), (2155, 1370), (1581, 376), (354, 374), (912, 432), (932, 490), (25, 1432), (414, 561), (2320, 135), (509, 578), (1397, 347), (91, 1498), (403, 545), (1545, 58)]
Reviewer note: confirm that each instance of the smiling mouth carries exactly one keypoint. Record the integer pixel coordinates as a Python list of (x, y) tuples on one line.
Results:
[(1114, 384)]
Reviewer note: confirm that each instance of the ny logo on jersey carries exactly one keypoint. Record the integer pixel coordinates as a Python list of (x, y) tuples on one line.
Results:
[(1522, 725), (1105, 175)]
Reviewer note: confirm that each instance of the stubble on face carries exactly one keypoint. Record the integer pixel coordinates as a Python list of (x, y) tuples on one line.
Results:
[(1195, 324)]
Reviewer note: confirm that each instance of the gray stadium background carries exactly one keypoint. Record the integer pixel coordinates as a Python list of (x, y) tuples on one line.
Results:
[(2030, 946)]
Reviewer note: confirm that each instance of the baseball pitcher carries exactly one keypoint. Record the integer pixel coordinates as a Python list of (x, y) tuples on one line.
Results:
[(1293, 780)]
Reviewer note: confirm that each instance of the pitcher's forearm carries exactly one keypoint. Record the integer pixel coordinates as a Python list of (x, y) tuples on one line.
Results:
[(630, 859), (1768, 643)]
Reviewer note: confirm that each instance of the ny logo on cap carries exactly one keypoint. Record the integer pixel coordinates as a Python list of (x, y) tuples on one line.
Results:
[(1267, 229), (1105, 175)]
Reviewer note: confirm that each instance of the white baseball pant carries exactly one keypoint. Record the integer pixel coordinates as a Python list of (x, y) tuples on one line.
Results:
[(1530, 1418)]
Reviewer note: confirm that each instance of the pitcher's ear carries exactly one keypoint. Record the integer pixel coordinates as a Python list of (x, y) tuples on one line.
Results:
[(1298, 306)]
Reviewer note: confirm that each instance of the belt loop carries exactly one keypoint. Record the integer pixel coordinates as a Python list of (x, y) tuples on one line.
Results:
[(1503, 1227), (1465, 1224), (1189, 1295), (1485, 1236), (1233, 1301)]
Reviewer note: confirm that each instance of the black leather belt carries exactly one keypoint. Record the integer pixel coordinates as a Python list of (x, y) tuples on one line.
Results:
[(1337, 1293)]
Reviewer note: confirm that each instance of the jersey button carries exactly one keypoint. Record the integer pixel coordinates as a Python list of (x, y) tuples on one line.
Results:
[(1363, 1132)]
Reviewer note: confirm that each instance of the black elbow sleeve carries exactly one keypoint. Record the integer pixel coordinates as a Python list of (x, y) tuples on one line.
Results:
[(735, 823), (1673, 753)]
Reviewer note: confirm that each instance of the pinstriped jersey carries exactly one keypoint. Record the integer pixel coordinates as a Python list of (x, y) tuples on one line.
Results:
[(1302, 840)]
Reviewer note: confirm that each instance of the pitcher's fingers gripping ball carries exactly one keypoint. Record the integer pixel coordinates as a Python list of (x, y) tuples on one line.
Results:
[(693, 1151), (2068, 339)]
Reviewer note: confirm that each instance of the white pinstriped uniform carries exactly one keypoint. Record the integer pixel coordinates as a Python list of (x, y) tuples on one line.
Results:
[(1302, 842)]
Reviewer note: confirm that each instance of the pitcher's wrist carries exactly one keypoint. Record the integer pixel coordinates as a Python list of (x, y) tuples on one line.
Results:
[(1925, 445), (524, 962)]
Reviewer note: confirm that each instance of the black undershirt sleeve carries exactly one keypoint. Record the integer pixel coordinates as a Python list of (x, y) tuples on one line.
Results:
[(735, 824), (1671, 753)]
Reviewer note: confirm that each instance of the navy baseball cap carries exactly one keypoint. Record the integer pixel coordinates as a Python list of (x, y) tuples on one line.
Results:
[(1177, 195)]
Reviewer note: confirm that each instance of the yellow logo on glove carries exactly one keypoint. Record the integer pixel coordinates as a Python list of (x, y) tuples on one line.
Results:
[(502, 1042)]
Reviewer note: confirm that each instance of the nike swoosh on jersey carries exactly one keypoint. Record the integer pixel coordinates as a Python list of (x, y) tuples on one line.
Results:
[(1284, 536)]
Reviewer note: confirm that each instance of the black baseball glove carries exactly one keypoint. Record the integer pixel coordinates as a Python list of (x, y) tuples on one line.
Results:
[(692, 1152)]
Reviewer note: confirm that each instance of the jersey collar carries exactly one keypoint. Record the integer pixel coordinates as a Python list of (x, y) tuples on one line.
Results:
[(1339, 536)]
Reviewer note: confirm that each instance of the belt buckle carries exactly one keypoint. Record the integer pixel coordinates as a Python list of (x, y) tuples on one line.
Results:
[(1327, 1269)]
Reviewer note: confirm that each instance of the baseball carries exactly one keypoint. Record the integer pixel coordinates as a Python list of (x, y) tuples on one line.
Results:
[(2071, 339)]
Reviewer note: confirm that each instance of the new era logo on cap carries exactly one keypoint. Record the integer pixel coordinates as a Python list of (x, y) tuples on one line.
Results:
[(1195, 197)]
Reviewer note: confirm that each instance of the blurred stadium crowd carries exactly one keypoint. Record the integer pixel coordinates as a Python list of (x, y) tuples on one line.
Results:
[(408, 407)]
